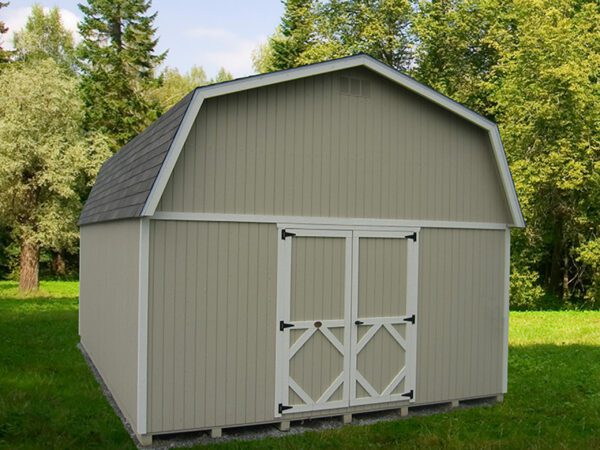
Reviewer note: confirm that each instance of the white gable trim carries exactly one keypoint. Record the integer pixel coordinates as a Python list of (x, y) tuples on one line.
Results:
[(318, 69)]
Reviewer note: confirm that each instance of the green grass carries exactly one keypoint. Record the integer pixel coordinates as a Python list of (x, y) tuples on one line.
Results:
[(49, 399)]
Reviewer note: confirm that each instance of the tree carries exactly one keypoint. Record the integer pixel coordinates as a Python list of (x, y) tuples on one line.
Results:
[(293, 35), (118, 62), (457, 47), (313, 31), (3, 30), (222, 75), (175, 85), (44, 159), (548, 106), (44, 36)]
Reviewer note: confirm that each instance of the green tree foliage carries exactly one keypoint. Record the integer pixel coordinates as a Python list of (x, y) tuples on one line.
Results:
[(457, 48), (313, 31), (3, 30), (44, 36), (548, 106), (44, 160), (222, 75), (175, 84), (294, 34), (118, 62)]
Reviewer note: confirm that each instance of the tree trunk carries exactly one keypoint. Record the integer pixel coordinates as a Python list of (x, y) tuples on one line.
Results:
[(556, 273), (565, 282), (59, 267), (29, 268)]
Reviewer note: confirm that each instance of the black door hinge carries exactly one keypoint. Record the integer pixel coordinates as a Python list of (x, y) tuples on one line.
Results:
[(410, 319), (408, 394), (283, 325), (412, 236), (281, 408), (285, 234)]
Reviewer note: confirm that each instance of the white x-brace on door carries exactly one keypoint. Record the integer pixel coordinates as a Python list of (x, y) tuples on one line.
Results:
[(345, 336)]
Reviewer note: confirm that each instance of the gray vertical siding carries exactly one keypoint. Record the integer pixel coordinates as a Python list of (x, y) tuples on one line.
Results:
[(318, 277), (317, 293), (381, 277), (213, 321), (460, 310), (381, 293), (108, 306), (303, 148)]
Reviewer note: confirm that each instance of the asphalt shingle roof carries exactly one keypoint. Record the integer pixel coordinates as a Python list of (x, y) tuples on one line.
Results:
[(126, 179)]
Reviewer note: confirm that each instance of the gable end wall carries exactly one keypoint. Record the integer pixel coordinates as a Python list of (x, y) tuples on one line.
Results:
[(304, 148)]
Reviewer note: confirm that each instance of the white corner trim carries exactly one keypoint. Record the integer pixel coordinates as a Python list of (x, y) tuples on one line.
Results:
[(319, 69), (172, 155), (320, 222), (142, 358), (505, 313)]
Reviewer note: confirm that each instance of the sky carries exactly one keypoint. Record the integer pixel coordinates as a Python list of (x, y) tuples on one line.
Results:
[(212, 34)]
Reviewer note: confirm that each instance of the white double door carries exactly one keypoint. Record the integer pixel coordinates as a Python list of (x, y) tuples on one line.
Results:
[(346, 318)]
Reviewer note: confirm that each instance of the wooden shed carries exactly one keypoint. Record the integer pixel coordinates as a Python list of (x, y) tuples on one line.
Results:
[(320, 241)]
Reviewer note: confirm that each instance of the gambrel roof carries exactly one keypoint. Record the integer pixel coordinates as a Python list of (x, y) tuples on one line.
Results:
[(130, 184)]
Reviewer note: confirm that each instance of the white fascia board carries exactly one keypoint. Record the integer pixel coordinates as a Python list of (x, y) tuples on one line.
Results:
[(382, 69), (332, 222), (506, 178), (172, 155)]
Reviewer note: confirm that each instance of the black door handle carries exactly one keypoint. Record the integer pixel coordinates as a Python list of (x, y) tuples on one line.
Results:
[(358, 322)]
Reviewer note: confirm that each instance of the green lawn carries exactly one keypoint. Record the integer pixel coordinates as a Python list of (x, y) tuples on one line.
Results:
[(49, 398)]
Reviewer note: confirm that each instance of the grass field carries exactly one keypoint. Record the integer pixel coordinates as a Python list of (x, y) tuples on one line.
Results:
[(49, 399)]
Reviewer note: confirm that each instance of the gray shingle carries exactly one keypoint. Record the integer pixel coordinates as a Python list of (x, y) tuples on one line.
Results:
[(126, 179)]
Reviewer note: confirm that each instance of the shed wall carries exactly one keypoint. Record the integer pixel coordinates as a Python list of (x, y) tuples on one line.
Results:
[(213, 321), (108, 306), (303, 148)]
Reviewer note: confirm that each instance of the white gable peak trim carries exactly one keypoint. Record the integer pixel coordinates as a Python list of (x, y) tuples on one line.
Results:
[(382, 69)]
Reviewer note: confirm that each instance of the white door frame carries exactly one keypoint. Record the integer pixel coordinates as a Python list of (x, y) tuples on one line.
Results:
[(409, 343), (352, 235), (284, 353)]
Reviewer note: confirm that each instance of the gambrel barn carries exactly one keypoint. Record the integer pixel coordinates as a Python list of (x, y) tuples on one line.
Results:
[(320, 241)]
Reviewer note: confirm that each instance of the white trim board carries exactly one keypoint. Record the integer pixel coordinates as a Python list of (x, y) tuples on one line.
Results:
[(349, 223), (142, 357), (505, 312), (321, 68)]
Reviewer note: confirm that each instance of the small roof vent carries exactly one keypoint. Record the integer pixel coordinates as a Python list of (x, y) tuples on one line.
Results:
[(357, 87)]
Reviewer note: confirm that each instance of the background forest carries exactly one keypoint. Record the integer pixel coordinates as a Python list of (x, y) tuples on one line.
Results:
[(533, 66)]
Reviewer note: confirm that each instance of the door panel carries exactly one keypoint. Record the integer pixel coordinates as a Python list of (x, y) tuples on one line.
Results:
[(315, 339), (384, 296), (317, 283), (382, 276)]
